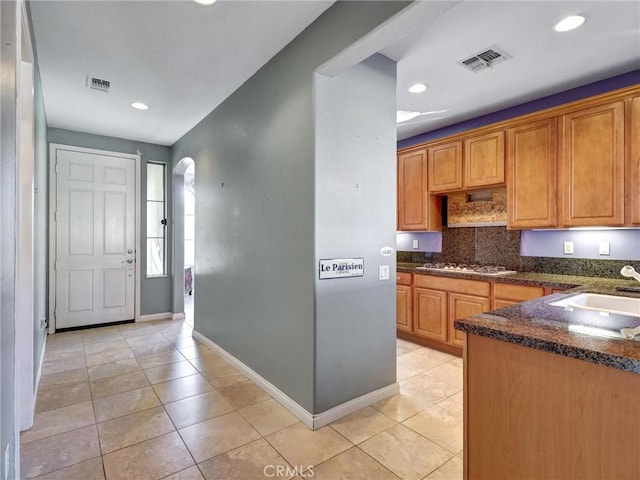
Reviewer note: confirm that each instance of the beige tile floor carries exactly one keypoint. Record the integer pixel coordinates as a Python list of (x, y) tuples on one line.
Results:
[(146, 401)]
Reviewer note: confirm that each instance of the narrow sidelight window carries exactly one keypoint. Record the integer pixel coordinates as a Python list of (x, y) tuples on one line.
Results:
[(156, 220)]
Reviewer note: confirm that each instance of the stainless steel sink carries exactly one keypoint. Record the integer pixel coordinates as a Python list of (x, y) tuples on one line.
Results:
[(600, 303)]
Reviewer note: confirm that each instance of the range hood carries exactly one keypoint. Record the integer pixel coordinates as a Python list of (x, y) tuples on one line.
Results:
[(479, 208)]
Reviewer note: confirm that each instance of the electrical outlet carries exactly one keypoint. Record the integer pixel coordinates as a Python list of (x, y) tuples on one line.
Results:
[(415, 244), (568, 247), (604, 248)]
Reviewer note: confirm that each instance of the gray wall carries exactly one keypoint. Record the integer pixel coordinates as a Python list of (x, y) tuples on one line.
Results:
[(40, 221), (256, 259), (155, 293), (9, 40), (355, 216)]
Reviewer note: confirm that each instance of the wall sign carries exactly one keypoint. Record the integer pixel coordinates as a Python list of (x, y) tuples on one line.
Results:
[(386, 251), (341, 268)]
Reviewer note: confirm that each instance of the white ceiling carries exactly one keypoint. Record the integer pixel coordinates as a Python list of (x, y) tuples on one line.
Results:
[(184, 59), (542, 61), (181, 58)]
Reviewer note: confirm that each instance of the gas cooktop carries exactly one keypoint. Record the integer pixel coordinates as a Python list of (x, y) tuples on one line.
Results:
[(486, 270)]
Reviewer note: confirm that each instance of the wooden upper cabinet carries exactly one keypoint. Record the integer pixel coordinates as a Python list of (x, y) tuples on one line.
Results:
[(484, 160), (592, 167), (532, 170), (445, 167), (417, 210), (633, 162)]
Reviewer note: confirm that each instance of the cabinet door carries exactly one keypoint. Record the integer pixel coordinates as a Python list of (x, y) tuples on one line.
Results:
[(430, 313), (417, 210), (445, 167), (461, 306), (592, 167), (403, 308), (633, 182), (484, 160), (532, 171)]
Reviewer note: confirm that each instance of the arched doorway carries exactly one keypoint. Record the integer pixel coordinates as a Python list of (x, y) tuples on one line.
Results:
[(183, 239)]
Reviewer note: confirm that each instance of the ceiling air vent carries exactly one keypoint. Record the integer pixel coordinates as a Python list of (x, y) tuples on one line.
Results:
[(98, 83), (484, 59)]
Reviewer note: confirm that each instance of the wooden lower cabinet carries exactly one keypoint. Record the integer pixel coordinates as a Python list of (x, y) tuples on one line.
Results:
[(461, 306), (439, 301), (533, 414), (404, 309), (430, 313), (506, 294), (404, 314)]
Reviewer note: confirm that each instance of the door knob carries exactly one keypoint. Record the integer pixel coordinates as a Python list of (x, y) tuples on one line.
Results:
[(129, 260)]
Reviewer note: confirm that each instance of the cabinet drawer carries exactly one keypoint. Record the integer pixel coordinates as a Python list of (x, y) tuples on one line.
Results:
[(497, 303), (403, 278), (518, 293), (458, 285)]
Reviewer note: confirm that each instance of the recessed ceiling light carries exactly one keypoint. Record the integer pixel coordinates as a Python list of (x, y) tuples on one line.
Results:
[(140, 106), (569, 23), (205, 2), (417, 88)]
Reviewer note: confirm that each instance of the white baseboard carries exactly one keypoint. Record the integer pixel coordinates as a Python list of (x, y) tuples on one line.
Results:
[(346, 408), (28, 415), (178, 316), (156, 316), (311, 420), (39, 374)]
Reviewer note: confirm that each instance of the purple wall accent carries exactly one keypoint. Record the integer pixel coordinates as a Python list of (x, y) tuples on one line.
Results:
[(427, 241), (595, 88), (624, 244)]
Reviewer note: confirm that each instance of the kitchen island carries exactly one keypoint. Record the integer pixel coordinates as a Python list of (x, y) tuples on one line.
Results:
[(545, 399)]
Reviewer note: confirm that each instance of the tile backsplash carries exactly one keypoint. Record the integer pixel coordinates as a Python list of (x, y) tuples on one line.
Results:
[(499, 246)]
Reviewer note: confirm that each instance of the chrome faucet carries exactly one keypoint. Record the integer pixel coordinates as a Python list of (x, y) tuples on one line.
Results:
[(630, 272)]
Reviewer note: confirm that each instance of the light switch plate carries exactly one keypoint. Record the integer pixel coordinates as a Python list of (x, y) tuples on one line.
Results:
[(415, 244), (604, 248), (383, 272)]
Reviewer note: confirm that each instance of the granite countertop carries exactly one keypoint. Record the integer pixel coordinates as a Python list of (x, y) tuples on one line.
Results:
[(536, 324), (526, 278)]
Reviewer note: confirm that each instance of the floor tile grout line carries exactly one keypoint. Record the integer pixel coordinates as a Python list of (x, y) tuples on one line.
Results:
[(194, 360), (58, 433), (377, 461), (427, 438)]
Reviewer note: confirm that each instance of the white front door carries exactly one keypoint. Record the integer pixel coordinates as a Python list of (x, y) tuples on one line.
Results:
[(95, 238)]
